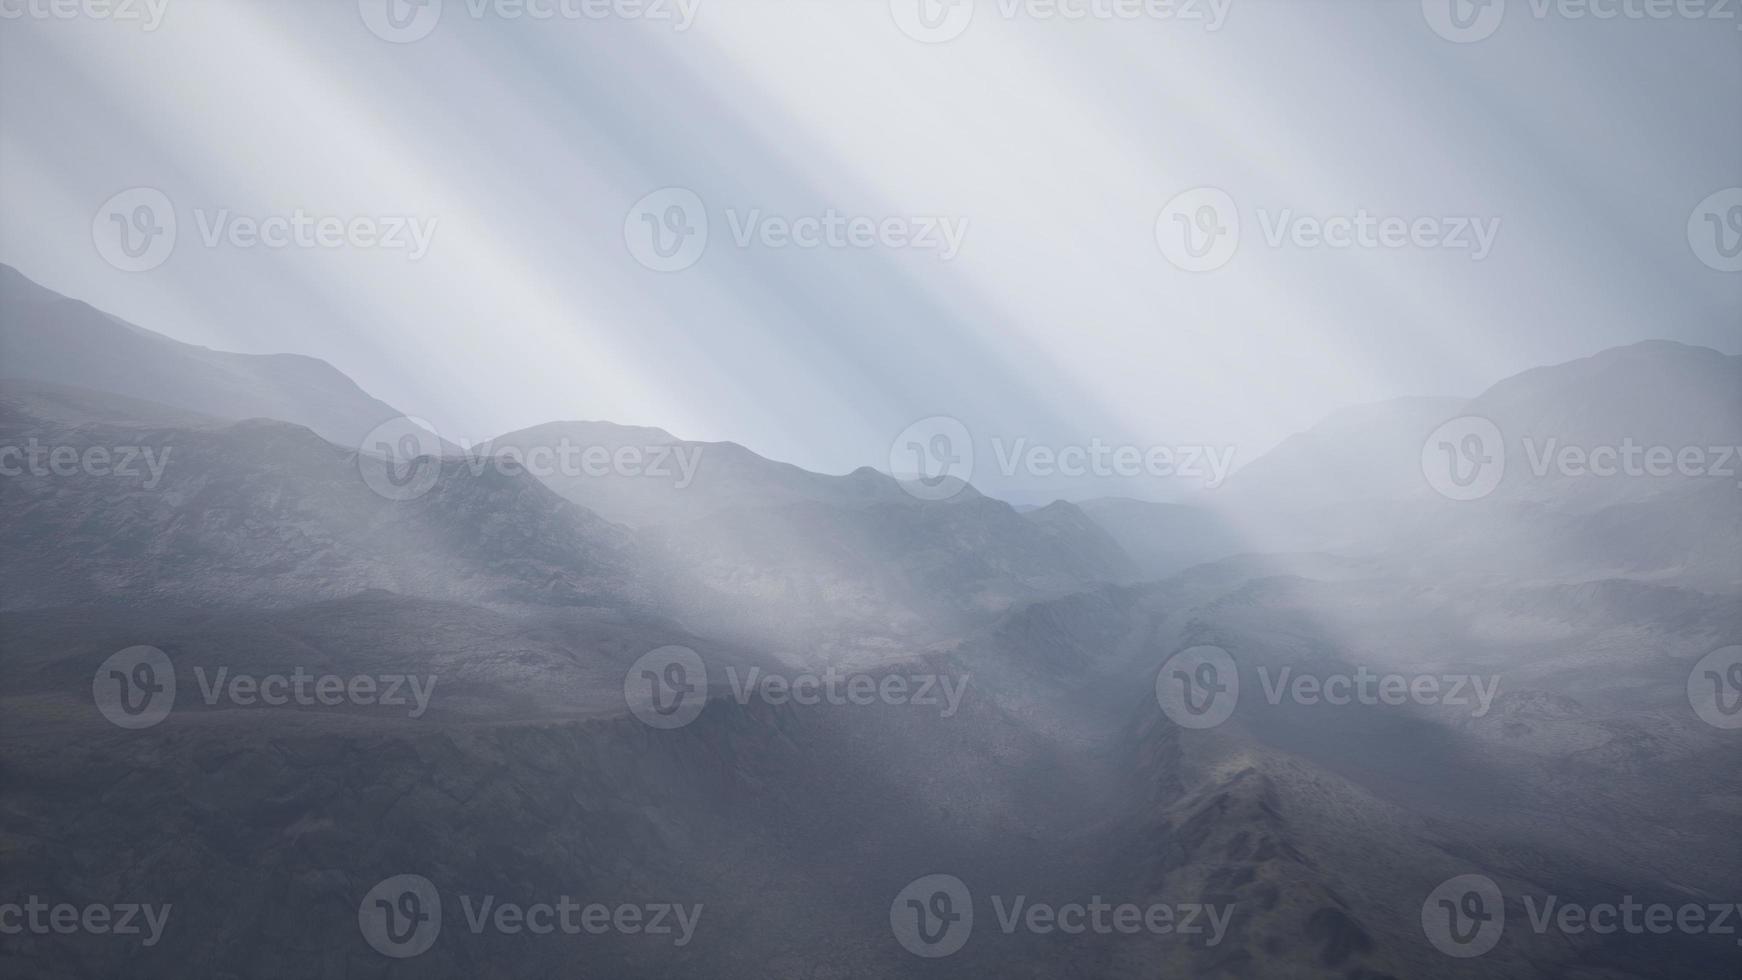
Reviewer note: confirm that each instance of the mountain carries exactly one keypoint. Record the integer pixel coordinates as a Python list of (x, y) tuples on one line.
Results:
[(842, 582), (1163, 539), (47, 338), (840, 567), (1328, 823), (669, 480), (1363, 481), (1654, 394), (1320, 829), (265, 512), (1367, 452), (1650, 394), (1319, 490), (262, 513), (526, 597)]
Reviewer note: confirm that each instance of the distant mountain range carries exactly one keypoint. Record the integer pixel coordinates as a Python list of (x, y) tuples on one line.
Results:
[(1654, 393), (1354, 483), (265, 473), (1622, 463), (255, 533), (264, 513), (704, 478), (46, 337)]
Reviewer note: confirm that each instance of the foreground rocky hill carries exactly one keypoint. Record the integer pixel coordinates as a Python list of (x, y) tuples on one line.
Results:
[(291, 708)]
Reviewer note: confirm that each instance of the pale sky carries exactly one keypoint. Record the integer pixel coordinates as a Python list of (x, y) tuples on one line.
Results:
[(1051, 147)]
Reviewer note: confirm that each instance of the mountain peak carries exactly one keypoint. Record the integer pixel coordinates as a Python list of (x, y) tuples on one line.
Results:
[(589, 432), (47, 338)]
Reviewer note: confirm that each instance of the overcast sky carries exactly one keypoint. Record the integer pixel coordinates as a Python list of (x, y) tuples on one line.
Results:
[(1020, 178)]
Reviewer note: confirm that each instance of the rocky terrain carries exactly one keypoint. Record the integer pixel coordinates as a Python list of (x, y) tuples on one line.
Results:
[(489, 702)]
